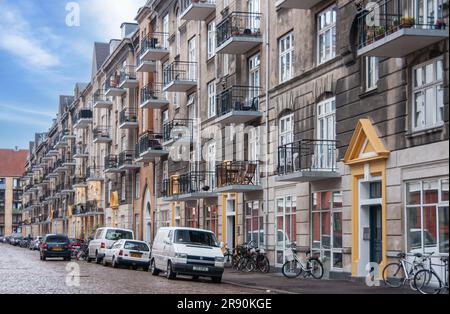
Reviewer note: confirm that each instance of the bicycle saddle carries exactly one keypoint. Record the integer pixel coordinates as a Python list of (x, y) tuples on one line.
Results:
[(418, 254), (444, 259), (401, 255)]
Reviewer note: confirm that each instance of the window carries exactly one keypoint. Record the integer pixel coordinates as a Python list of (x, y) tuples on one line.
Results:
[(326, 133), (326, 227), (254, 73), (191, 217), (211, 39), (286, 225), (138, 185), (427, 11), (192, 58), (253, 144), (326, 34), (427, 212), (177, 216), (254, 223), (211, 217), (286, 129), (226, 64), (211, 99), (123, 196), (372, 64), (286, 50), (428, 94), (165, 29)]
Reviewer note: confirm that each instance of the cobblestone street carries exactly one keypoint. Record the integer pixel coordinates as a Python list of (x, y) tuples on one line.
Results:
[(21, 271)]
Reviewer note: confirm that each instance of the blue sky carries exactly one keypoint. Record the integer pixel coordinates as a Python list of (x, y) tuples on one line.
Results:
[(41, 58)]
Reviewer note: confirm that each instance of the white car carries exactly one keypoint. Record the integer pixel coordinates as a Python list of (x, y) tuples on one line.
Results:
[(104, 238), (128, 253), (34, 244), (187, 251)]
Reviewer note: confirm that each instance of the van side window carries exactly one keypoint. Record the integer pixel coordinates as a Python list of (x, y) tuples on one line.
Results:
[(98, 234), (170, 235)]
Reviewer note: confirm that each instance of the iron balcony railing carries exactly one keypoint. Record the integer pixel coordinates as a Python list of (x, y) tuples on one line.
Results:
[(238, 24), (83, 114), (86, 208), (237, 173), (180, 71), (389, 16), (188, 183), (152, 91), (149, 141), (126, 158), (178, 126), (78, 179), (185, 4), (111, 162), (101, 132), (68, 158), (154, 41), (307, 155), (99, 95), (80, 149), (113, 81), (127, 72), (238, 98), (94, 173), (128, 115)]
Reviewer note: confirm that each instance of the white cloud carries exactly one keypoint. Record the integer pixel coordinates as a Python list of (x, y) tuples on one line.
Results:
[(20, 41), (25, 110), (104, 17)]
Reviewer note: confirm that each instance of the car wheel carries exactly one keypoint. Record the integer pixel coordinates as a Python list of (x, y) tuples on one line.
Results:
[(88, 259), (104, 263), (217, 279), (97, 259), (146, 268), (154, 271), (170, 273), (44, 258), (114, 263), (195, 277)]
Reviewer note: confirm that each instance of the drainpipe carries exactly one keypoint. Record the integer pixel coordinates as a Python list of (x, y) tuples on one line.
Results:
[(267, 133)]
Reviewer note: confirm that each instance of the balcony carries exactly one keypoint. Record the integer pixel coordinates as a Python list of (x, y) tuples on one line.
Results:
[(102, 135), (60, 167), (178, 130), (307, 160), (152, 97), (238, 33), (80, 152), (68, 135), (83, 119), (194, 185), (111, 164), (66, 189), (87, 209), (143, 66), (127, 161), (112, 86), (180, 76), (60, 142), (238, 177), (197, 10), (128, 119), (69, 161), (128, 77), (79, 181), (101, 101), (150, 147), (394, 35), (94, 174), (238, 104), (154, 47), (296, 4)]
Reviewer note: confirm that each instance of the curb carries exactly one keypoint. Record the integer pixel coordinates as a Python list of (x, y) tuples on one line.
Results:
[(278, 291)]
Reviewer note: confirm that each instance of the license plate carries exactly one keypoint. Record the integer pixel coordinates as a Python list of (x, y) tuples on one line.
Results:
[(200, 268), (136, 255), (57, 249)]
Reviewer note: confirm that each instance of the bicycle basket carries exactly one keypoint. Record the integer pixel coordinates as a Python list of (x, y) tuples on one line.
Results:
[(289, 254)]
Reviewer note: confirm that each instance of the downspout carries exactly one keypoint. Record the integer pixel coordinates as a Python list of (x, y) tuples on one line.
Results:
[(267, 132)]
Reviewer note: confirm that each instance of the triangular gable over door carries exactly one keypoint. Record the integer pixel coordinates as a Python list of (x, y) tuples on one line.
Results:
[(365, 145)]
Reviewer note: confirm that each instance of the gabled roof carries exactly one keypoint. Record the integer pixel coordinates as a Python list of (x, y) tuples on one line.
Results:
[(12, 162), (365, 144), (101, 52)]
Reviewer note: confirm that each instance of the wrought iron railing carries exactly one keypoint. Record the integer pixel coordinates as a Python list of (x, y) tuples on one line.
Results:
[(180, 71), (183, 127), (111, 162), (101, 132), (126, 158), (149, 141), (185, 4), (237, 173), (128, 115), (238, 24), (188, 183), (152, 91), (154, 41), (128, 72), (238, 98), (83, 114)]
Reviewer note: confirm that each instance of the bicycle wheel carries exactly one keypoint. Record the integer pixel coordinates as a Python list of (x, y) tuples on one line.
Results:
[(235, 263), (251, 265), (228, 260), (427, 282), (242, 264), (292, 269), (263, 264), (394, 275), (315, 268)]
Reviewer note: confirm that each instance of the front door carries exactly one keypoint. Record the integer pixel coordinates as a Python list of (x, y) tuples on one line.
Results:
[(231, 223), (376, 240)]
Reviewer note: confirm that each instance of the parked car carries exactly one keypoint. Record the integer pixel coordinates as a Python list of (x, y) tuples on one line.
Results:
[(15, 240), (55, 245), (7, 239), (25, 242), (75, 245), (128, 253), (35, 242), (187, 251), (2, 238), (104, 238)]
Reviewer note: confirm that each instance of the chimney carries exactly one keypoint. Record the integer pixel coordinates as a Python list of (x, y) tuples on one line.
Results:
[(113, 43), (128, 29)]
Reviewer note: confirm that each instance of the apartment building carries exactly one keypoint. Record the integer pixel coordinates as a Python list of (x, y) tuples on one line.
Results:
[(12, 162), (319, 122)]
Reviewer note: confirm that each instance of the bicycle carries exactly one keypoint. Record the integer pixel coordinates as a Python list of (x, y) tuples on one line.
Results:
[(427, 281), (397, 274), (229, 257), (256, 259), (293, 267)]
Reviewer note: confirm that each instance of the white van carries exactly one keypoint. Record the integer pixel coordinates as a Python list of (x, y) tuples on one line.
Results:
[(187, 251), (105, 238)]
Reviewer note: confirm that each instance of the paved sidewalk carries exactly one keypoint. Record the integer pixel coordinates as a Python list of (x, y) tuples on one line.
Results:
[(276, 282)]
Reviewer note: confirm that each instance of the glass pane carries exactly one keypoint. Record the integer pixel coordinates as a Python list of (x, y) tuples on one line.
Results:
[(444, 190), (337, 260), (280, 232), (337, 200), (280, 206), (326, 230), (440, 103), (443, 229), (316, 198), (325, 200), (429, 73), (430, 106), (413, 193), (413, 229), (337, 230), (439, 70), (261, 231), (430, 229), (430, 192), (316, 230), (248, 228), (418, 106), (418, 77)]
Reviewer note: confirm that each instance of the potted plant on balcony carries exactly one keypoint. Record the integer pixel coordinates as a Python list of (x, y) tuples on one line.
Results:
[(379, 32), (133, 118), (369, 36), (235, 31), (407, 21), (440, 24)]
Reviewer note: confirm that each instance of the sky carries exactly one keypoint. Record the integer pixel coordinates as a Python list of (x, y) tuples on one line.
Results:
[(42, 56)]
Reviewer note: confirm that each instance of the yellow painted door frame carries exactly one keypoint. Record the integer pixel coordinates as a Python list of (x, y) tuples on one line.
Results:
[(225, 197)]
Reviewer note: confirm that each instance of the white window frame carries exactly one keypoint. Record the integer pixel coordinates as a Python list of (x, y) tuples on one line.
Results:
[(331, 27), (226, 64), (165, 29), (138, 185), (372, 72), (286, 57), (211, 39), (192, 58), (211, 99), (436, 84), (254, 75), (286, 136)]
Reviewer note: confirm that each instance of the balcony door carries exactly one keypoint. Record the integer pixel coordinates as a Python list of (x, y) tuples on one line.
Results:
[(324, 158), (254, 76), (286, 138), (427, 12), (211, 164), (254, 8), (192, 58)]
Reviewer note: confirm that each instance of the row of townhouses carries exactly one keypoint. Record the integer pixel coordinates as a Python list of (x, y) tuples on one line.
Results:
[(320, 122)]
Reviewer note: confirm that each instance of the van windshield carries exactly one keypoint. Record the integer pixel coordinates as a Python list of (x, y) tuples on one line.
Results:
[(195, 237), (115, 235)]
